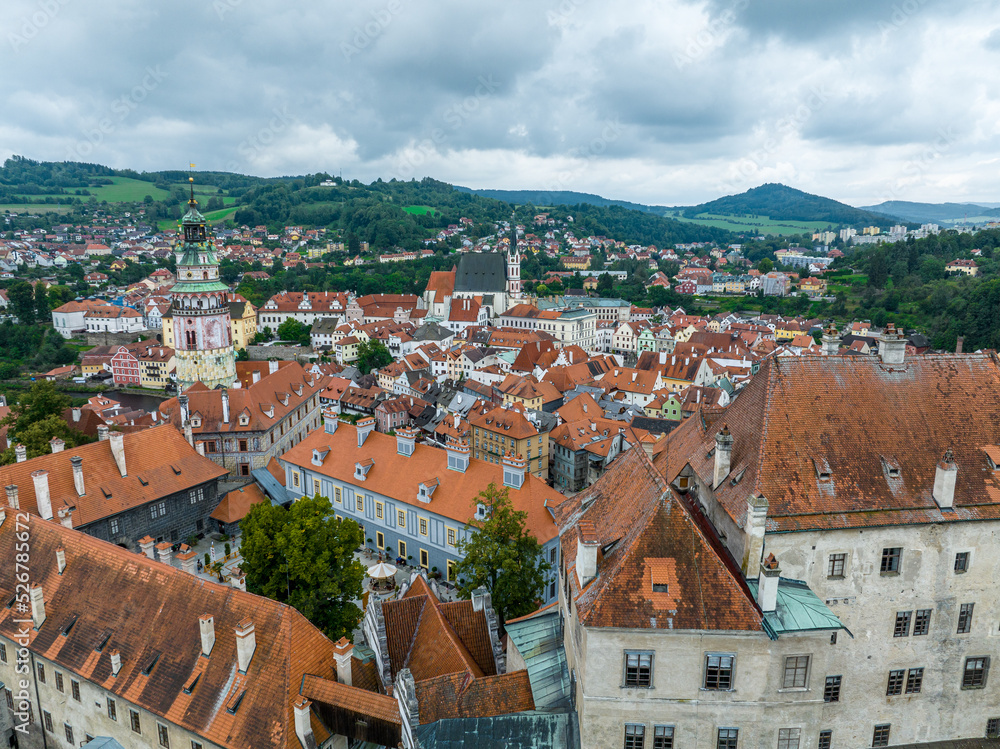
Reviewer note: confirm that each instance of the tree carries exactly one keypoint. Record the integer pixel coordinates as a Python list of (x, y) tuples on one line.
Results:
[(293, 330), (36, 438), (605, 284), (878, 270), (304, 556), (372, 354), (765, 265), (22, 302), (41, 303), (502, 556)]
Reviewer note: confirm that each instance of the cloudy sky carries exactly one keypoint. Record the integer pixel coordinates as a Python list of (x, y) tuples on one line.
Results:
[(663, 102)]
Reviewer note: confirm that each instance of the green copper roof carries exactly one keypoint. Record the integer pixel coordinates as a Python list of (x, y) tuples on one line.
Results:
[(193, 216), (530, 730), (539, 641), (185, 286), (798, 610)]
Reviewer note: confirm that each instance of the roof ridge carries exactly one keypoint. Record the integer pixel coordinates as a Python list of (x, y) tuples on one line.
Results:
[(416, 628), (768, 393)]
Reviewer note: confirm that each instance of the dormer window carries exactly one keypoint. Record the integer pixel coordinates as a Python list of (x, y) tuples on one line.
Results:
[(195, 422), (823, 472), (992, 456), (244, 420), (361, 469)]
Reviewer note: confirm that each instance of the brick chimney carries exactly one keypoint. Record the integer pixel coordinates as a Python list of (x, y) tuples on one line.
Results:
[(723, 455), (37, 605), (945, 475), (56, 445), (42, 498), (959, 344), (164, 549), (343, 649), (831, 341), (206, 623), (586, 552), (65, 516), (146, 543), (21, 452), (767, 584), (189, 562), (77, 413), (246, 644), (102, 432), (116, 662), (117, 440), (77, 462), (892, 345), (237, 578), (12, 500)]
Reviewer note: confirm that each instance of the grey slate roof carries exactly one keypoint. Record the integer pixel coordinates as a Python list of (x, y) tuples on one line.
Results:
[(484, 272), (539, 641)]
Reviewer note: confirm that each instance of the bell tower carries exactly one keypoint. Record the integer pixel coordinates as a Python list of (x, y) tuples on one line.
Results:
[(513, 264), (203, 332)]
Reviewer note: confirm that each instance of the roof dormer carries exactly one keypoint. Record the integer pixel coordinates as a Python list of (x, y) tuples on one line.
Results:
[(361, 469), (244, 417), (426, 490), (267, 409), (319, 455)]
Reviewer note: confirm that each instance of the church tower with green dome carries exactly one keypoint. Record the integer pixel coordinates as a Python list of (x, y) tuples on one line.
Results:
[(203, 332)]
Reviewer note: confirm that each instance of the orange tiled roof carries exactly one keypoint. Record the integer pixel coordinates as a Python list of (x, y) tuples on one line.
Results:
[(145, 607), (150, 454), (236, 504), (398, 476), (462, 696)]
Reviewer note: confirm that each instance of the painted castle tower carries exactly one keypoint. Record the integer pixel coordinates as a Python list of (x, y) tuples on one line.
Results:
[(513, 266), (203, 332)]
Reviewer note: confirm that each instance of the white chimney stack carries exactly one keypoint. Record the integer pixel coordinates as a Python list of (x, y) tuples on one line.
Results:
[(56, 445), (12, 500), (182, 400), (117, 440), (586, 552), (116, 662), (256, 375), (77, 462), (723, 455), (207, 625), (945, 475), (303, 722), (102, 432), (272, 367), (225, 406), (892, 345), (767, 584), (61, 559), (343, 649), (37, 605), (246, 644), (21, 452), (42, 498)]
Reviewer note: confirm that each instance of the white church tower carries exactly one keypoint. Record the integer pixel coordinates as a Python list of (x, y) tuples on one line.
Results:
[(513, 267)]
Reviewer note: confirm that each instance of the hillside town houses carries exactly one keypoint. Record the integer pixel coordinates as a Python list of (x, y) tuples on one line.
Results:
[(760, 530)]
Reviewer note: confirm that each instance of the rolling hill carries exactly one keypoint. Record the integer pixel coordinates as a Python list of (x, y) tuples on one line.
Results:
[(543, 198), (931, 212)]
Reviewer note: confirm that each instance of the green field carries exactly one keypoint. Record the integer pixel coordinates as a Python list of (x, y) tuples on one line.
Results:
[(220, 215), (419, 210), (22, 208), (762, 224)]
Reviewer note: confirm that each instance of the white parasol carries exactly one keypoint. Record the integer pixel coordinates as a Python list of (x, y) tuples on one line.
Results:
[(381, 570)]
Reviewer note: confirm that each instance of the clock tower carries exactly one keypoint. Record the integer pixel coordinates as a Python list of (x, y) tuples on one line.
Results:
[(203, 331)]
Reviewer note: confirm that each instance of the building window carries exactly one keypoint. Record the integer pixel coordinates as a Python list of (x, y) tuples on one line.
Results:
[(244, 469), (47, 720), (890, 560), (976, 669), (316, 486), (638, 669), (921, 622), (134, 720), (831, 690), (881, 735), (902, 628), (113, 526), (379, 510), (450, 570), (112, 709), (962, 561), (663, 737), (69, 733), (401, 518), (423, 526), (719, 671), (196, 745), (75, 685), (451, 537), (836, 565), (796, 672), (895, 683), (380, 539), (243, 446), (728, 738), (635, 735), (788, 738), (825, 740), (914, 680), (59, 681), (41, 673), (965, 618), (3, 652), (423, 558), (162, 736), (993, 728), (337, 495), (402, 550), (295, 479), (359, 501)]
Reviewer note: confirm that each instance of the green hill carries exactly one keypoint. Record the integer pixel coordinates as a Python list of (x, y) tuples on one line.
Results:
[(543, 198), (780, 202), (931, 212)]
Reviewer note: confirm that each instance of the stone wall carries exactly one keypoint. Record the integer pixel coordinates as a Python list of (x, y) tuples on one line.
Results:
[(301, 354), (106, 338)]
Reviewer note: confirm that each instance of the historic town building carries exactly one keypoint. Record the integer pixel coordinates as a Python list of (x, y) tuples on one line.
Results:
[(202, 329)]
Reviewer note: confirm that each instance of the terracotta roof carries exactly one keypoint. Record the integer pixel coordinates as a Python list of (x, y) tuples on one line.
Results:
[(151, 457), (399, 476), (146, 607), (582, 406), (647, 535), (856, 417), (509, 421), (442, 283), (235, 505), (352, 698), (462, 696)]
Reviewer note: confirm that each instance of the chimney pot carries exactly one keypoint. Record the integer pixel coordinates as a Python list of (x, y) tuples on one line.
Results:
[(116, 662), (723, 455), (77, 462), (42, 497), (12, 497), (767, 584), (343, 649), (102, 432), (37, 598), (21, 452), (303, 722), (246, 644), (117, 440), (61, 559), (945, 475)]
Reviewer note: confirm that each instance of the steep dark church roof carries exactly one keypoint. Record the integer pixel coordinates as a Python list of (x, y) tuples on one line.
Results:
[(483, 272)]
